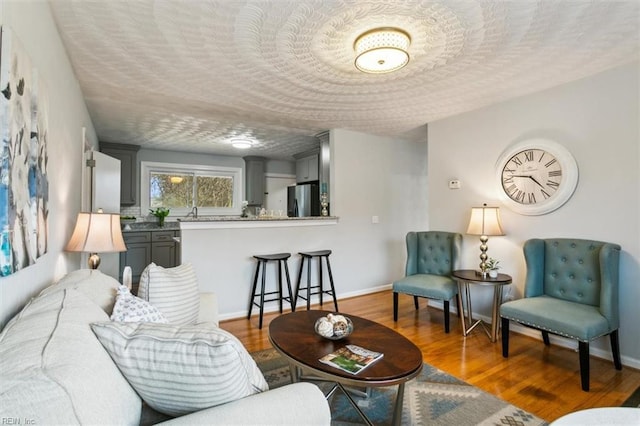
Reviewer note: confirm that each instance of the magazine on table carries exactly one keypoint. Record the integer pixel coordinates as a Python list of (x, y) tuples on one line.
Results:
[(351, 358)]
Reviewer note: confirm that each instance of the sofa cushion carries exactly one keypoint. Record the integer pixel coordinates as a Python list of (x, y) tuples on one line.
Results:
[(129, 308), (53, 370), (181, 369), (98, 287), (174, 291)]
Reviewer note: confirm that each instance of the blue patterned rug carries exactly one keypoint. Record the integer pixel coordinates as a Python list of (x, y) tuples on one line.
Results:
[(432, 398)]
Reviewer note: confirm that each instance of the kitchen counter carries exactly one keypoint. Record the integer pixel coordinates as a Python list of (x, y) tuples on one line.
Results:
[(150, 226), (212, 222)]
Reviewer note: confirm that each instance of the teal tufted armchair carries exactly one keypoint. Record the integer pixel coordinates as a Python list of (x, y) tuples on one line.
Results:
[(571, 290), (431, 256)]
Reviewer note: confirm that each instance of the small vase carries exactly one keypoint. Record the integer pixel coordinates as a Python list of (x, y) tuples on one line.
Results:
[(493, 274), (160, 221)]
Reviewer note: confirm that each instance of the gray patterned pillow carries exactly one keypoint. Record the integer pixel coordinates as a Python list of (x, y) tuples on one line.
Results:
[(181, 369), (129, 308)]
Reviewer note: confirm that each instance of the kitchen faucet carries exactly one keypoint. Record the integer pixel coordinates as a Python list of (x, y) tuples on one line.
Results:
[(193, 212)]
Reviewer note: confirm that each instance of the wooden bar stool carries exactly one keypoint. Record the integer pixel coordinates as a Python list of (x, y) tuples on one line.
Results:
[(316, 288), (280, 258)]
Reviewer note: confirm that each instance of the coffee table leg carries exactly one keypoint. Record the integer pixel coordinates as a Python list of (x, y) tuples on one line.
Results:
[(397, 409), (355, 405)]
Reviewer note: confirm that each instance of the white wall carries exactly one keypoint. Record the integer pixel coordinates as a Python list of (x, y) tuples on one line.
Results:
[(32, 23), (597, 120), (371, 176)]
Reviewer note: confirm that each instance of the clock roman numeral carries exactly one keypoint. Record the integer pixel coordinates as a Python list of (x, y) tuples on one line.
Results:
[(511, 189), (517, 161), (545, 194), (528, 155), (553, 173), (550, 162), (552, 184), (531, 198), (507, 180)]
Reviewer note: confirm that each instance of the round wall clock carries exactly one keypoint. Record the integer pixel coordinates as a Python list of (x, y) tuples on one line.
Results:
[(536, 176)]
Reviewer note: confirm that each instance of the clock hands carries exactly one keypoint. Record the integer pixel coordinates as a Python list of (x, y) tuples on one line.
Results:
[(530, 177)]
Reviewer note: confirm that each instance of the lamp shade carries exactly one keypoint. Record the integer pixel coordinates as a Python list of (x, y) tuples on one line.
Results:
[(485, 221), (97, 233)]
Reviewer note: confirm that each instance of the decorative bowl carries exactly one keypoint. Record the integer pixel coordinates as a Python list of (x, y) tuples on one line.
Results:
[(334, 326)]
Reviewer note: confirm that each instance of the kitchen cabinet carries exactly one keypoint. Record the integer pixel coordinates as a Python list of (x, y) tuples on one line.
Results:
[(254, 173), (144, 247), (128, 156), (307, 169)]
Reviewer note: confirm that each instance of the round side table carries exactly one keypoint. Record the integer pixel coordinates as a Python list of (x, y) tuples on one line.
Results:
[(470, 276)]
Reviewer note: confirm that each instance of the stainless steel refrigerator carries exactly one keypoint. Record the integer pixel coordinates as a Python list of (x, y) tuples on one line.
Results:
[(303, 200)]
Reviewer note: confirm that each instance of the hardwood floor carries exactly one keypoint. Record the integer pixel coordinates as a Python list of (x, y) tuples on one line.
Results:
[(542, 380)]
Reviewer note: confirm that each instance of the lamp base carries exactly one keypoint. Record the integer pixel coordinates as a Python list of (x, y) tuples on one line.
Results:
[(483, 274), (94, 261)]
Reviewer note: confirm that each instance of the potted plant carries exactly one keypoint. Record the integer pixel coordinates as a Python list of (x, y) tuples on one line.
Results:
[(492, 267), (161, 213)]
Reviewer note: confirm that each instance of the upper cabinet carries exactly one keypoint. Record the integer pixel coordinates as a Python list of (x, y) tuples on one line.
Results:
[(255, 185), (307, 168), (128, 156)]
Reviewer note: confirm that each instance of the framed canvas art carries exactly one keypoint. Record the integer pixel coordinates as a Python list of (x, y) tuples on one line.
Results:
[(24, 186)]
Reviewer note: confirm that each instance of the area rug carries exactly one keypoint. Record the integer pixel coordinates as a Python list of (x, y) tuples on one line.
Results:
[(432, 398), (633, 400)]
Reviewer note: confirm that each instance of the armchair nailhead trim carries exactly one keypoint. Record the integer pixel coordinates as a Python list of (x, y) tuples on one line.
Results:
[(551, 330)]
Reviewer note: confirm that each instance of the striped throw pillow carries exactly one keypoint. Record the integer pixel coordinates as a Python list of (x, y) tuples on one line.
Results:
[(174, 291), (181, 369)]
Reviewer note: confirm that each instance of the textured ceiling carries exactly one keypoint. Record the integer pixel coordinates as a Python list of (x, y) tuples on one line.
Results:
[(191, 75)]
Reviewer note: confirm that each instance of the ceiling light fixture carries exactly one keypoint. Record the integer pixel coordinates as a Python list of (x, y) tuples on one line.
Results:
[(382, 50), (241, 143)]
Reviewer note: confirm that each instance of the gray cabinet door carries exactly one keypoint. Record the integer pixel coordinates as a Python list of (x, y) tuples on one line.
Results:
[(163, 248), (143, 248), (137, 256), (255, 181)]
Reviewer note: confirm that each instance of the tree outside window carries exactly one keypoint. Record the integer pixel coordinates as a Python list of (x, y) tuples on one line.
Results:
[(182, 187)]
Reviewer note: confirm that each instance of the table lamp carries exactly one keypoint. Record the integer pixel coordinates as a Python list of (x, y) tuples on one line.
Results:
[(96, 232), (485, 221)]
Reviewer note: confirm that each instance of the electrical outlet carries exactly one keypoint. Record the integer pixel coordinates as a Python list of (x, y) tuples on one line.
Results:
[(454, 184), (375, 219)]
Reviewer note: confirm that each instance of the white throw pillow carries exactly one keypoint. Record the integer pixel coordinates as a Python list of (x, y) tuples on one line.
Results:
[(181, 369), (174, 291), (129, 308)]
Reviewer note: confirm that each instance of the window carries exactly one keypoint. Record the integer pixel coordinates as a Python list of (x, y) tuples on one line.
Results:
[(180, 187)]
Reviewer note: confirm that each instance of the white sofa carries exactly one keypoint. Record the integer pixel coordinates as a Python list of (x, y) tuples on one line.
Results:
[(53, 369)]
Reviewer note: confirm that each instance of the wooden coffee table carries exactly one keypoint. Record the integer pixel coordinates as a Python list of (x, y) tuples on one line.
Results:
[(293, 336)]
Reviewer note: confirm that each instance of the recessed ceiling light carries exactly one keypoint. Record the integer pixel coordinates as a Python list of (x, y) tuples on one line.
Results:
[(382, 50), (241, 143)]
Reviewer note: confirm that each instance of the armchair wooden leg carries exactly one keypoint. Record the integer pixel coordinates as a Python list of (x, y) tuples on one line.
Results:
[(395, 306), (545, 338), (415, 302), (583, 349), (457, 305), (615, 349), (446, 316), (505, 338)]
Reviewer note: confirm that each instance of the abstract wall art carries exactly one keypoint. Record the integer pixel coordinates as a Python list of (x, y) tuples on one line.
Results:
[(24, 186)]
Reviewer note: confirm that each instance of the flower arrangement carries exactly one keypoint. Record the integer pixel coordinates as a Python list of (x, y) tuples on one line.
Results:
[(161, 213)]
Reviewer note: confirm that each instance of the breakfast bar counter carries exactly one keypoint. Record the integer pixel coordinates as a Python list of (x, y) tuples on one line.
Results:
[(226, 222)]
